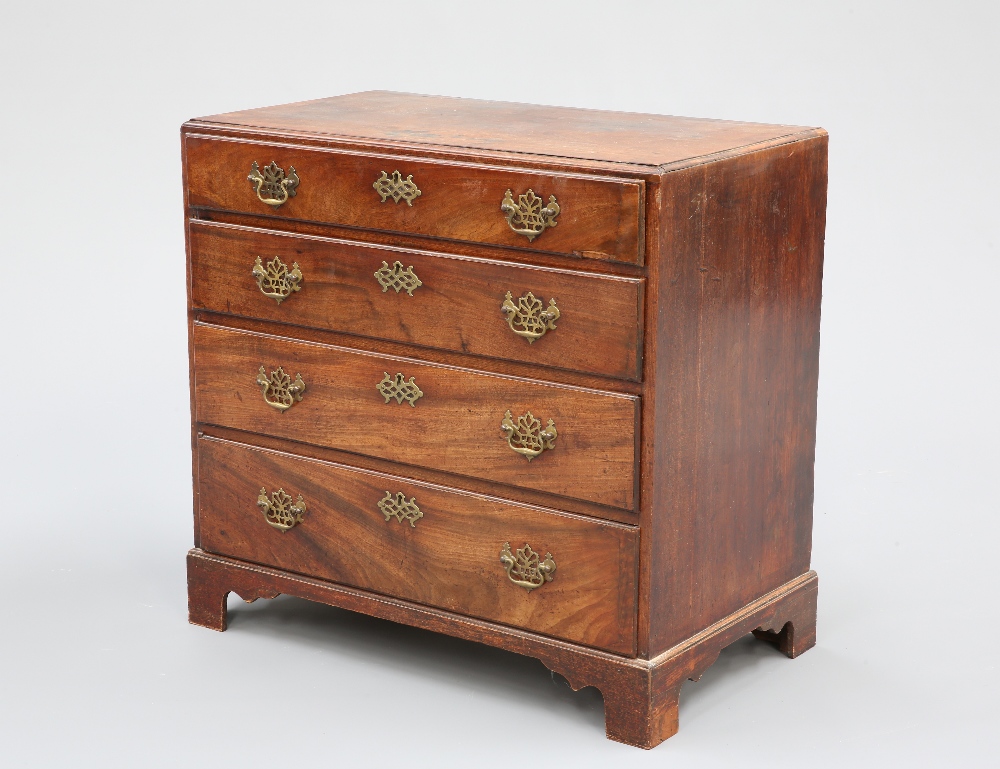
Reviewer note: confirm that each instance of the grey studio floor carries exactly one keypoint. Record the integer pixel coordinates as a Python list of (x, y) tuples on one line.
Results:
[(98, 665)]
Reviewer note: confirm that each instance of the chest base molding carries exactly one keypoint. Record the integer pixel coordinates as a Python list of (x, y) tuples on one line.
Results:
[(640, 696)]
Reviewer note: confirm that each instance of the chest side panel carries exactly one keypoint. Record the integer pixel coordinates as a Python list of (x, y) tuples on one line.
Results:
[(734, 368)]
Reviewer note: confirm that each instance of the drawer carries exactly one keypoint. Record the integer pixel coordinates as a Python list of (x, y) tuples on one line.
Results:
[(598, 217), (422, 414), (420, 542), (419, 297)]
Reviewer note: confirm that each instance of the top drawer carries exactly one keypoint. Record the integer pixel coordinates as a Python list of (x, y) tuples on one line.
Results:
[(593, 217)]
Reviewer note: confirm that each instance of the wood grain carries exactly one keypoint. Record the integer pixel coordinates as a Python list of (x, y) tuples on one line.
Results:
[(600, 217), (454, 427), (457, 307), (449, 558), (731, 395), (436, 121)]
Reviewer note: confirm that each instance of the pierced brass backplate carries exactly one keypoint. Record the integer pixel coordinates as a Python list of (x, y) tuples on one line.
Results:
[(527, 217), (397, 278), (279, 510), (529, 317), (279, 390), (399, 508), (397, 188), (276, 280), (526, 436), (271, 184), (399, 388), (525, 568)]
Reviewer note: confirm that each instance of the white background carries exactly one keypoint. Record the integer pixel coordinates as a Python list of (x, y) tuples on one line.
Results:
[(98, 666)]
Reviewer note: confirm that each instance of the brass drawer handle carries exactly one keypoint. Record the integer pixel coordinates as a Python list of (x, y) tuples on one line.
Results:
[(525, 568), (397, 278), (527, 217), (279, 511), (526, 436), (397, 188), (279, 390), (529, 317), (276, 280), (271, 184), (399, 508), (399, 389)]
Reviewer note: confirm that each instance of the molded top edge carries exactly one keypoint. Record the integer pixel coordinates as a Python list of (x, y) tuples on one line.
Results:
[(494, 126)]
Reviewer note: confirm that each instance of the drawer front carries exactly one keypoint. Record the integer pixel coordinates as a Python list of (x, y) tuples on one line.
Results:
[(434, 300), (430, 545), (434, 416), (598, 217)]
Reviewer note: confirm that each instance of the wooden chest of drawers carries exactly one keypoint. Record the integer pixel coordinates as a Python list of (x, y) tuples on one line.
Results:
[(541, 378)]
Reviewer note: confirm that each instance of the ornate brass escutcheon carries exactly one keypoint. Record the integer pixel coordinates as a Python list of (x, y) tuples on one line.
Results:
[(397, 188), (527, 217), (279, 390), (399, 508), (525, 568), (397, 278), (399, 388), (276, 280), (526, 436), (271, 184), (279, 510), (529, 317)]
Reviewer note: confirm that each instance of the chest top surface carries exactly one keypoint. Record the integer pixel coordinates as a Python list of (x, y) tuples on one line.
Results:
[(492, 126)]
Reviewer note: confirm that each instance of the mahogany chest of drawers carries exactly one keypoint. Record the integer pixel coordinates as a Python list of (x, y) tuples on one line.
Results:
[(542, 378)]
